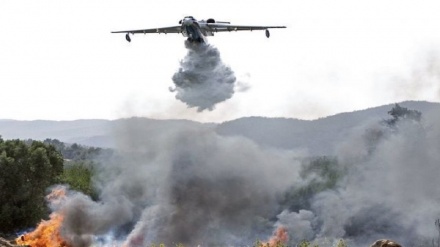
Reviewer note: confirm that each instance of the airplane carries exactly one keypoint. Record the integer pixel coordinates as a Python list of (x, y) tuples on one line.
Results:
[(197, 31)]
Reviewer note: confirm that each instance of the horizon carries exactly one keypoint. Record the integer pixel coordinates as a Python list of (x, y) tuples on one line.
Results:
[(250, 116)]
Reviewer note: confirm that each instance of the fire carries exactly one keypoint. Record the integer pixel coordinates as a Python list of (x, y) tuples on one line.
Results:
[(47, 233), (279, 238), (56, 195)]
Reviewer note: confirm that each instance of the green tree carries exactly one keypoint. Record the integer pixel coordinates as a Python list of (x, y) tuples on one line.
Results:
[(76, 152), (323, 173), (26, 171), (78, 175)]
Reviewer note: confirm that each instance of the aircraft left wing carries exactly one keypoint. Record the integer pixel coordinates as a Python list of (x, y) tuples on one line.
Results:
[(173, 29), (218, 27)]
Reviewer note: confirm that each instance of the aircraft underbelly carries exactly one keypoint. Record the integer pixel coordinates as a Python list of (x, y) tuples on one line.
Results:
[(191, 31)]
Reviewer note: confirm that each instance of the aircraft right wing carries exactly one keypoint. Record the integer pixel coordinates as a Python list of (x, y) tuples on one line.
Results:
[(173, 29)]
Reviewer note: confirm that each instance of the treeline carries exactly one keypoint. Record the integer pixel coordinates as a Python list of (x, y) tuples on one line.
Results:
[(76, 152), (28, 168)]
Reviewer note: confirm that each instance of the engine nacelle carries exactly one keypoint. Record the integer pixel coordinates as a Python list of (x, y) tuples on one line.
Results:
[(210, 20), (180, 22), (127, 37)]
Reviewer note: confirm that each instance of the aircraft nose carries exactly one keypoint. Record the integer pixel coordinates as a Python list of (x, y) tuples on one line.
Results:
[(187, 22)]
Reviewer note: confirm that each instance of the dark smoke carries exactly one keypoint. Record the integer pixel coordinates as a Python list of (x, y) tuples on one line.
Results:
[(186, 184), (203, 80), (84, 218), (214, 189)]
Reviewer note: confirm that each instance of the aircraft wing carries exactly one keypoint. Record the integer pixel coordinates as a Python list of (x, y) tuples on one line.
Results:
[(218, 27), (173, 29)]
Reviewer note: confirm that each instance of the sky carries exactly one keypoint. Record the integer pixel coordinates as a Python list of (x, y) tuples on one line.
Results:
[(59, 61)]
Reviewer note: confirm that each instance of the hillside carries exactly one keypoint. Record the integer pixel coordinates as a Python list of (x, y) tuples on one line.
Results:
[(317, 136), (96, 133), (86, 132)]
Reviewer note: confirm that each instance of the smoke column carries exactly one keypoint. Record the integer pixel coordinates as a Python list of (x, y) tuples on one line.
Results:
[(203, 80), (183, 185)]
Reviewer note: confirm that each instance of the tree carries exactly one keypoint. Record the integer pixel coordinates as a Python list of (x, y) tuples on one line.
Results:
[(78, 175), (399, 113), (76, 152), (323, 173), (26, 171)]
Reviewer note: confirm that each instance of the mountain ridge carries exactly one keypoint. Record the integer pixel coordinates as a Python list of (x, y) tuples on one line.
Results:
[(317, 136)]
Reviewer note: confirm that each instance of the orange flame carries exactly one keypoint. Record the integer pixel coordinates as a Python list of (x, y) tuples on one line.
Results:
[(279, 238), (56, 195), (47, 233)]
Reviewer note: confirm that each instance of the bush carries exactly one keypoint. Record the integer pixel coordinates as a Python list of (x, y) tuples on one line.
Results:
[(78, 175), (26, 171)]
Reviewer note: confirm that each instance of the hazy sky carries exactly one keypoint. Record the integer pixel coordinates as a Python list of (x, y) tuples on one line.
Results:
[(59, 61)]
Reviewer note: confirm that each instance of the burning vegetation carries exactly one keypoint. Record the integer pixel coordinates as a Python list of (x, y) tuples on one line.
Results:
[(48, 232), (279, 238)]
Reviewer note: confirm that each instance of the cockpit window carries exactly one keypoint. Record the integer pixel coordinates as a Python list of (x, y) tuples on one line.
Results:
[(190, 17)]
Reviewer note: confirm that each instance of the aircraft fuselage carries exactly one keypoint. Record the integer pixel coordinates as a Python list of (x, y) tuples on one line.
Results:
[(192, 30)]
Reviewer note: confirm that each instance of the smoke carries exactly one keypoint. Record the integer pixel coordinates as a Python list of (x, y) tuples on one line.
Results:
[(86, 218), (186, 184), (389, 191), (423, 81), (203, 80)]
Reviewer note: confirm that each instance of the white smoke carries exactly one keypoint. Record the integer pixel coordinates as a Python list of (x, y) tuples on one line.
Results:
[(390, 191), (300, 226), (203, 80), (423, 81)]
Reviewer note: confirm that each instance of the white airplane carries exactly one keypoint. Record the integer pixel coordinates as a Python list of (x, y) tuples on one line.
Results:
[(196, 31)]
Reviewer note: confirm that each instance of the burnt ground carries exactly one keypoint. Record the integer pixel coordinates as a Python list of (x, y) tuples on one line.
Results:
[(7, 243)]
